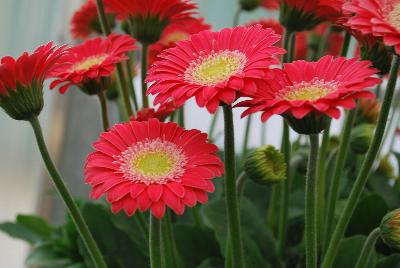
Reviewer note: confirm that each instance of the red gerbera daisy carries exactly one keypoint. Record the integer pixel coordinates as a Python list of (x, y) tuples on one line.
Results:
[(377, 17), (142, 165), (270, 4), (86, 64), (215, 67), (85, 20), (149, 18), (21, 80), (313, 88), (161, 113), (176, 32)]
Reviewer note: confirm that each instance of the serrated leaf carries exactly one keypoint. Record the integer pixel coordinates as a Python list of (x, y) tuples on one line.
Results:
[(19, 231), (36, 224)]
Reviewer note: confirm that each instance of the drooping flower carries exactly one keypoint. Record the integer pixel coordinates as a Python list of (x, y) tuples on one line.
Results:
[(90, 64), (161, 113), (379, 18), (85, 21), (390, 229), (215, 67), (149, 18), (151, 165), (265, 165), (21, 81), (306, 93), (176, 32)]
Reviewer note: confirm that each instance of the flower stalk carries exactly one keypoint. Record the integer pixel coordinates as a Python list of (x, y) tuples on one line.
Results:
[(145, 100), (231, 199), (106, 29), (104, 111), (362, 177), (66, 196), (155, 242), (311, 206), (367, 249)]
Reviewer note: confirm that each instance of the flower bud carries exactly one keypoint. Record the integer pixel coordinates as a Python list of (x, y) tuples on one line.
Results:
[(390, 229), (361, 137), (265, 165), (249, 5), (368, 111), (386, 167)]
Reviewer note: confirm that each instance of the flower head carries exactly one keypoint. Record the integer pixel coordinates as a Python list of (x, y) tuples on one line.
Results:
[(21, 81), (85, 20), (265, 165), (313, 89), (150, 165), (215, 67), (368, 111), (88, 64), (149, 18), (390, 229), (379, 18), (270, 4), (161, 113), (176, 32)]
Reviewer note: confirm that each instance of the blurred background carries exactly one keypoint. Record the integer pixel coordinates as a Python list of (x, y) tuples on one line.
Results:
[(71, 121)]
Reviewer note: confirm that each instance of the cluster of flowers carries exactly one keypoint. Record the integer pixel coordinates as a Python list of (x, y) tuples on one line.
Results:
[(150, 164)]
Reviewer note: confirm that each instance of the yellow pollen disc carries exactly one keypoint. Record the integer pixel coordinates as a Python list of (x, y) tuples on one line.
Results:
[(89, 62), (310, 93), (153, 164), (215, 67), (394, 16)]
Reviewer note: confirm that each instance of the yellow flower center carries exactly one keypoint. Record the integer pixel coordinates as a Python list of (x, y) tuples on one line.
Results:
[(310, 91), (394, 16), (89, 62), (216, 67), (152, 161)]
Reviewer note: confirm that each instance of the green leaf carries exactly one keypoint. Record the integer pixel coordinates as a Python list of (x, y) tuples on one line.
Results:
[(45, 256), (19, 231), (76, 265), (367, 215), (195, 244), (36, 224), (392, 261), (212, 263), (115, 245), (380, 185), (349, 251), (257, 237)]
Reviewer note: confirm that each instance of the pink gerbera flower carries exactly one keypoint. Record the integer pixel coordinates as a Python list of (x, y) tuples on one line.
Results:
[(21, 80), (161, 113), (151, 165), (149, 18), (176, 32), (215, 67), (317, 89), (85, 20), (85, 65), (377, 17)]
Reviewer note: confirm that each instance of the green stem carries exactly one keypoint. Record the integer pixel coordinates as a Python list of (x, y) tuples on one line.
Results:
[(236, 17), (104, 111), (197, 217), (340, 161), (246, 136), (213, 124), (181, 118), (310, 210), (145, 100), (323, 42), (66, 196), (365, 168), (263, 133), (346, 44), (240, 183), (323, 153), (285, 192), (155, 242), (235, 236), (106, 29), (168, 248), (131, 85), (142, 223), (367, 249), (272, 208)]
